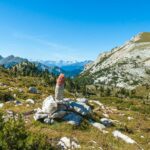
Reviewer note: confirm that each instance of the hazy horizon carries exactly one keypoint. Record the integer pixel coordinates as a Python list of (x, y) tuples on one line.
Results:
[(45, 59), (68, 30)]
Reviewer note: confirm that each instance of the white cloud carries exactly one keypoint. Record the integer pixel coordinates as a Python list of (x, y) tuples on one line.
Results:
[(37, 39), (44, 49)]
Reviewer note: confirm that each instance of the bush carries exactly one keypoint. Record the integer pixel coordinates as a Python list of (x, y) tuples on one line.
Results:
[(14, 136), (5, 96)]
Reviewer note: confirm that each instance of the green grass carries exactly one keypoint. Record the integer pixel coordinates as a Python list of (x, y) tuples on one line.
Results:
[(85, 133)]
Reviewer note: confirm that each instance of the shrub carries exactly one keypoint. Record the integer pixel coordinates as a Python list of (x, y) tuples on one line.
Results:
[(5, 96), (14, 136)]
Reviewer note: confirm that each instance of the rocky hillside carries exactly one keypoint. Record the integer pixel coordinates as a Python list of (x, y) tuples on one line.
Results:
[(126, 66)]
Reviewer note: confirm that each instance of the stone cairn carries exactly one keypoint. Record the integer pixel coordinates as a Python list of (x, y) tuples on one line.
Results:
[(66, 109), (59, 90)]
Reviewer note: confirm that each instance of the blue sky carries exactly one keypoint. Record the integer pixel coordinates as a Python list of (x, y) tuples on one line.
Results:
[(69, 29)]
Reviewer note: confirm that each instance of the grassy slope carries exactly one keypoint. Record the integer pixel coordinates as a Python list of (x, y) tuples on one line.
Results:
[(85, 133)]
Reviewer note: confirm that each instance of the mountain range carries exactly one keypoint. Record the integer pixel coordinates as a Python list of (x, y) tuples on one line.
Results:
[(10, 61), (69, 68)]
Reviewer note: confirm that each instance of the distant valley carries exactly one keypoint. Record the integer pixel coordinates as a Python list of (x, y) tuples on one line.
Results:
[(69, 68)]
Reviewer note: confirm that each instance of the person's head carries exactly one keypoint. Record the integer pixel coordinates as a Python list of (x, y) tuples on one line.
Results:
[(61, 79)]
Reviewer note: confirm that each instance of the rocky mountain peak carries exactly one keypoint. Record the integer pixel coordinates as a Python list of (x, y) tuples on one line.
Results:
[(142, 37), (1, 57)]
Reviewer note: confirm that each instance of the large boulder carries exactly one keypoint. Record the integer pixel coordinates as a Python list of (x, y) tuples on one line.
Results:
[(73, 118), (80, 108), (49, 105)]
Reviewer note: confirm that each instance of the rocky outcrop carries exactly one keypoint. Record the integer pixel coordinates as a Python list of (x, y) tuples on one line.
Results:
[(70, 111), (126, 66)]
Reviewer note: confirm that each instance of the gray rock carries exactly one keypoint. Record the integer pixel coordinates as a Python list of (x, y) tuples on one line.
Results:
[(73, 118), (17, 102), (82, 100), (33, 90), (20, 90), (66, 99), (59, 92), (122, 136), (106, 122), (67, 143), (1, 105), (31, 101), (48, 121), (49, 105), (39, 116), (59, 114), (80, 108)]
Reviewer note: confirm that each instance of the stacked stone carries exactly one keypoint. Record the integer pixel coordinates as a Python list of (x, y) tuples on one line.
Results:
[(59, 90)]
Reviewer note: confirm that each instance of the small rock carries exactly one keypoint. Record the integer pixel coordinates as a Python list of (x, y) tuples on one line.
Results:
[(10, 89), (33, 90), (94, 142), (67, 143), (48, 121), (105, 115), (38, 116), (121, 114), (17, 103), (125, 138), (27, 105), (142, 136), (130, 118), (97, 102), (106, 122), (31, 101), (66, 99), (82, 100), (99, 126), (20, 90), (1, 105)]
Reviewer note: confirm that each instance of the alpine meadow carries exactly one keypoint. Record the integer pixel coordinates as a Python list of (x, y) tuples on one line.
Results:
[(74, 75)]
